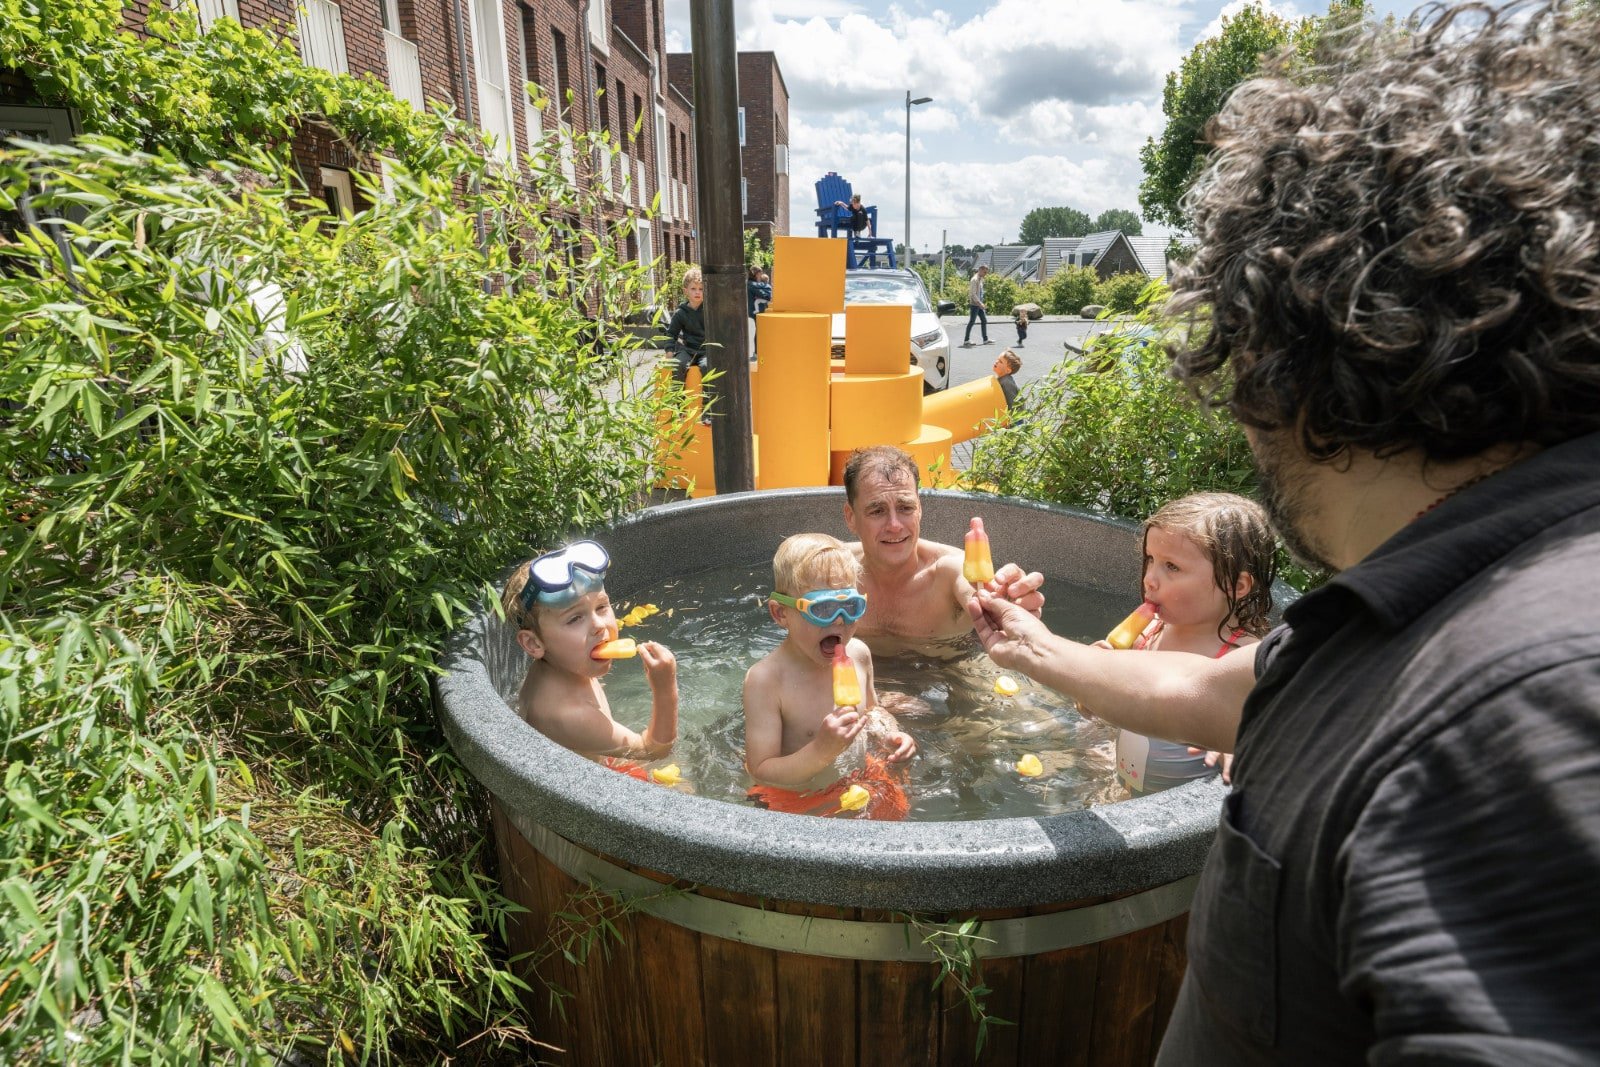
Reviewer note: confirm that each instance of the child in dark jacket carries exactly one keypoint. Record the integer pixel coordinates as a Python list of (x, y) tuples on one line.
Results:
[(686, 337)]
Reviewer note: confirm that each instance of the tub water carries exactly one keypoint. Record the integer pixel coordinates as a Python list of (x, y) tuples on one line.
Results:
[(969, 738)]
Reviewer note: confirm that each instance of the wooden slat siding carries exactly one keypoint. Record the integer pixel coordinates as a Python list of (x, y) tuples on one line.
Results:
[(520, 869), (588, 1024), (1125, 998), (1173, 959), (1058, 1006), (741, 1009), (618, 974), (670, 971), (899, 1011), (554, 1023), (818, 1002), (959, 1034)]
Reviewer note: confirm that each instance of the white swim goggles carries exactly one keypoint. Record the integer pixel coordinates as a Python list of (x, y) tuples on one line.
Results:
[(556, 577)]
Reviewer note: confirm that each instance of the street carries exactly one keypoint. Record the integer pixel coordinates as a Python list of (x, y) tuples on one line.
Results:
[(1041, 352)]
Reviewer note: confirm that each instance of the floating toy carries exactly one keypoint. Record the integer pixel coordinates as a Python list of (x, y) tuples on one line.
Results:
[(638, 615), (1029, 766), (668, 775), (616, 649), (1128, 630), (1006, 686), (978, 567), (854, 799), (846, 686)]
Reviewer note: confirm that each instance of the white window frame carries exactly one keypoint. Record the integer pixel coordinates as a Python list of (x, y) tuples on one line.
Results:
[(744, 198), (663, 172), (647, 258), (780, 159), (533, 118), (337, 182), (209, 11), (321, 33), (741, 127), (487, 22), (599, 26)]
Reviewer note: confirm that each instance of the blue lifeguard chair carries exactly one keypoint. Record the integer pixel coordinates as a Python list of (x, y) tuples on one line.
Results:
[(834, 221)]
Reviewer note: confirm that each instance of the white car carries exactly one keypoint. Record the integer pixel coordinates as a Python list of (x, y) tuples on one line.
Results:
[(929, 345)]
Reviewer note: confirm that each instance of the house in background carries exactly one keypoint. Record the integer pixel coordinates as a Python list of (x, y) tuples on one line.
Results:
[(477, 56), (763, 138), (1107, 252)]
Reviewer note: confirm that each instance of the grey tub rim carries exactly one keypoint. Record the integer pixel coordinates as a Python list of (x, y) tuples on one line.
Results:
[(1127, 847)]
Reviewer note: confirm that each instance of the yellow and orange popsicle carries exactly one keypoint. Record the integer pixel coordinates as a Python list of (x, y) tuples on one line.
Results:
[(1128, 630), (978, 567), (846, 686), (615, 649)]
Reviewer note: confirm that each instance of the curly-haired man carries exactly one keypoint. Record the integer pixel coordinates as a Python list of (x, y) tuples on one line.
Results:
[(1399, 267)]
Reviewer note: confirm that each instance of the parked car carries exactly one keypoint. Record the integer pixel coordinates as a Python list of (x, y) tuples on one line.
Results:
[(929, 345)]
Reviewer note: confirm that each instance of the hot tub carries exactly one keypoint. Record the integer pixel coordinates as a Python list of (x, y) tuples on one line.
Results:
[(788, 941)]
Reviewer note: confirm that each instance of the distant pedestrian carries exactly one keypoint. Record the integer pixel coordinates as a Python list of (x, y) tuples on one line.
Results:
[(758, 291), (686, 338), (860, 220), (977, 313), (1022, 325)]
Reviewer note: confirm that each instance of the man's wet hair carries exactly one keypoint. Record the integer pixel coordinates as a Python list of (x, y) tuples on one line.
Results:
[(886, 460), (1399, 249)]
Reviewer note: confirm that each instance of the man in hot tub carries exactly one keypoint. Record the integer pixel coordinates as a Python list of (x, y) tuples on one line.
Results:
[(916, 595)]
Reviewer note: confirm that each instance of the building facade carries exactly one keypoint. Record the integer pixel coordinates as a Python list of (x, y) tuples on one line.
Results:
[(595, 65), (763, 138)]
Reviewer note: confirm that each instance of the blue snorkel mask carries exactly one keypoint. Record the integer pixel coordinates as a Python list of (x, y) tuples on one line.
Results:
[(558, 578)]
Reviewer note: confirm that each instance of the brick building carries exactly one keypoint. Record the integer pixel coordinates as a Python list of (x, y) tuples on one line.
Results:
[(763, 137), (601, 64)]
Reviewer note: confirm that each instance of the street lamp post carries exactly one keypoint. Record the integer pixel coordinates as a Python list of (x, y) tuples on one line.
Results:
[(910, 103)]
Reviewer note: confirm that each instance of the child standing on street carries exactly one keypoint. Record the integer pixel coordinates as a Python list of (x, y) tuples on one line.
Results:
[(1021, 315), (1208, 569), (558, 603)]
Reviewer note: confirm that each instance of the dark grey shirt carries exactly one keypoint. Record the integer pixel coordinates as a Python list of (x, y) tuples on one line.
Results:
[(1408, 867)]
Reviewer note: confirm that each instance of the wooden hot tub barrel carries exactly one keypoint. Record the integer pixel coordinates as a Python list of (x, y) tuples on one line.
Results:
[(782, 939)]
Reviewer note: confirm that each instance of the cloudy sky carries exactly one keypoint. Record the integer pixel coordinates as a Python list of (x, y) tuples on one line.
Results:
[(1036, 103)]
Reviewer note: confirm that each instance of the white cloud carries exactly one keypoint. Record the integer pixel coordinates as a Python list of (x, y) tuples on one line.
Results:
[(1287, 11)]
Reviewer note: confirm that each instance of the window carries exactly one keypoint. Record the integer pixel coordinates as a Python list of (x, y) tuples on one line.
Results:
[(599, 27), (780, 159), (744, 197), (647, 257), (562, 83), (602, 101), (533, 119), (336, 192), (321, 33), (663, 155), (489, 49), (405, 73), (389, 13), (741, 127), (210, 11)]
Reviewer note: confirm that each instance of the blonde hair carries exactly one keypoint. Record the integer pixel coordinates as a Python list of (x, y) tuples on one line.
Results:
[(692, 276), (1011, 360), (810, 561), (511, 598)]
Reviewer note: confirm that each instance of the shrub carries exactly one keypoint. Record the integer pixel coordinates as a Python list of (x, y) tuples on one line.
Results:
[(239, 527), (999, 295), (1032, 293), (1070, 289), (1122, 441), (1121, 292)]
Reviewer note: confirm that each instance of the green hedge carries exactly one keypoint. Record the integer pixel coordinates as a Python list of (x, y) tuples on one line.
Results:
[(237, 531)]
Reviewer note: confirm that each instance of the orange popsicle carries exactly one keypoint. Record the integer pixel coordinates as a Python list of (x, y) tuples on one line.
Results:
[(1128, 630), (978, 567), (846, 686), (615, 649)]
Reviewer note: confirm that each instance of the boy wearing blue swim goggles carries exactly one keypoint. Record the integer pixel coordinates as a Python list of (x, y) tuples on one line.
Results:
[(793, 729), (558, 603)]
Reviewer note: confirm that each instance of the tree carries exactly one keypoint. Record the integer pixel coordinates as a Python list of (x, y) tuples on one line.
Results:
[(1118, 218), (1193, 94), (1044, 222), (1197, 90)]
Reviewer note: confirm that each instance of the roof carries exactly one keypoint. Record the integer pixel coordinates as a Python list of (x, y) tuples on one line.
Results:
[(1001, 257), (1026, 266), (1152, 253)]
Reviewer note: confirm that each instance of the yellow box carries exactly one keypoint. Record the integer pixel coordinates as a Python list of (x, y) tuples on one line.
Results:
[(966, 409), (792, 405), (807, 275), (877, 338), (875, 409), (930, 447)]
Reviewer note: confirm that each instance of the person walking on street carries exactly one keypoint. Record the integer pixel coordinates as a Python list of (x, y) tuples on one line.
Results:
[(978, 313)]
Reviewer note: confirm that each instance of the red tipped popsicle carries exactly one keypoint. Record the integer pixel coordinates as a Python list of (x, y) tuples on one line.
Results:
[(1128, 630), (978, 567), (846, 686)]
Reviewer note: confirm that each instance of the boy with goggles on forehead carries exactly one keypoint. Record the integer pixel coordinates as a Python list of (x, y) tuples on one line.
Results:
[(793, 730), (558, 603)]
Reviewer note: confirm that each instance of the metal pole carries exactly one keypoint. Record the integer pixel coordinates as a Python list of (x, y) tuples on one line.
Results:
[(907, 230), (716, 129), (944, 244)]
